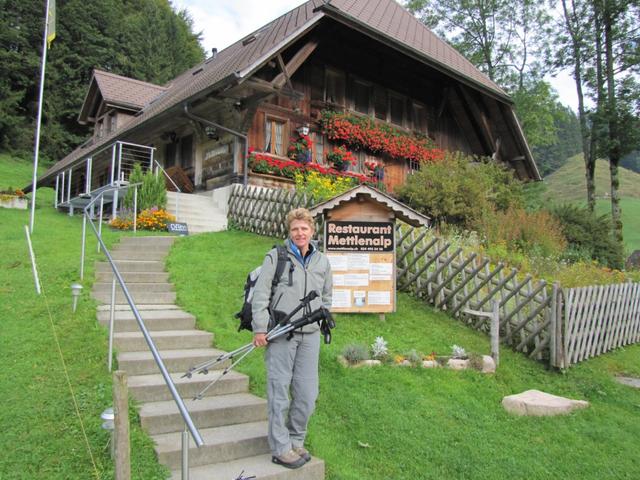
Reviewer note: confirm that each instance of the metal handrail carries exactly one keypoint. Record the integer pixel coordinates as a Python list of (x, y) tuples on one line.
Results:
[(178, 191), (195, 434)]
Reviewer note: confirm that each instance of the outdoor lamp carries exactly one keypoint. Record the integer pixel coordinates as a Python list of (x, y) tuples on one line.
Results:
[(303, 130), (211, 132), (108, 424), (76, 290)]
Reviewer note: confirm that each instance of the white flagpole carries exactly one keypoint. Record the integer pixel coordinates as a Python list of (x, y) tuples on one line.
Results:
[(37, 142)]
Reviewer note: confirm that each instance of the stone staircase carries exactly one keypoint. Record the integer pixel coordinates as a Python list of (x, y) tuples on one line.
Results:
[(232, 422), (202, 212)]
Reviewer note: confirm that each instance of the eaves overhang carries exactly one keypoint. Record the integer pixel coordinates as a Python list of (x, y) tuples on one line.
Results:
[(356, 24)]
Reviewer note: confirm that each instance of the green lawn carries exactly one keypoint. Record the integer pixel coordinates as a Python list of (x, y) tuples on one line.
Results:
[(414, 423), (568, 185), (426, 424), (42, 436)]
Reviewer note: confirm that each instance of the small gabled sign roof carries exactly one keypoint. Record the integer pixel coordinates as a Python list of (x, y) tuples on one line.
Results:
[(400, 210)]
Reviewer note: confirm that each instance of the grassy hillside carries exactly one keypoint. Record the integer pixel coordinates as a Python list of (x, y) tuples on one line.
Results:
[(376, 424), (46, 351), (568, 185)]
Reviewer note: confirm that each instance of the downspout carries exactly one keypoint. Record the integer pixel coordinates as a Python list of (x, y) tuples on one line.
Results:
[(228, 130)]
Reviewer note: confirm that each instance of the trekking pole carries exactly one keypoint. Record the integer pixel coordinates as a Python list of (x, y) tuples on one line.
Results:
[(277, 332), (224, 372), (204, 366)]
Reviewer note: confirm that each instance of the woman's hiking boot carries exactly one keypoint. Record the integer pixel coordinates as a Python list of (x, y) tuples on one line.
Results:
[(303, 452), (289, 460)]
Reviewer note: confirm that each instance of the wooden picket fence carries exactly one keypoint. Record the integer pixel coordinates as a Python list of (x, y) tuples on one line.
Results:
[(460, 283), (558, 326), (599, 319), (263, 210)]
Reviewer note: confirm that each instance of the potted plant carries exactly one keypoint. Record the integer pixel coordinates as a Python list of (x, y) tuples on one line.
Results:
[(376, 171), (300, 149), (341, 158), (13, 198)]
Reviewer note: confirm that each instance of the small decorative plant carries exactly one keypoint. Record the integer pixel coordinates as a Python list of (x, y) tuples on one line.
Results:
[(341, 158), (379, 349), (414, 358), (376, 171), (458, 352), (300, 149), (354, 353)]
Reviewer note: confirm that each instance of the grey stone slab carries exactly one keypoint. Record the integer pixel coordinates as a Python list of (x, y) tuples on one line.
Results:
[(629, 381), (539, 404)]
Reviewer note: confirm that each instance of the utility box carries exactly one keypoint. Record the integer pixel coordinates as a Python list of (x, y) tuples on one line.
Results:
[(359, 241)]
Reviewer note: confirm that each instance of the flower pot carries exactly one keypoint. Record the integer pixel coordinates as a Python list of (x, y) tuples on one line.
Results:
[(304, 157), (11, 201)]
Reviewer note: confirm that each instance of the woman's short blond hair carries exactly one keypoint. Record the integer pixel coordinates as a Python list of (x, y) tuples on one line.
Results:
[(300, 214)]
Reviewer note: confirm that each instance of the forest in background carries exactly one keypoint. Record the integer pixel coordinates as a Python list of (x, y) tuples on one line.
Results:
[(143, 39)]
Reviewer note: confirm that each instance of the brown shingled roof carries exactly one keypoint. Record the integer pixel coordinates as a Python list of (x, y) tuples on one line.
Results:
[(126, 91), (384, 19)]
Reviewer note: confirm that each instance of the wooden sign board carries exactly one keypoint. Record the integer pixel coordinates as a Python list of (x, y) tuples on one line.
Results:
[(362, 257)]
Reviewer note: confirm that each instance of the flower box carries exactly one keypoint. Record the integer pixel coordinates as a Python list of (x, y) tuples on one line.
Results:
[(270, 181), (14, 201)]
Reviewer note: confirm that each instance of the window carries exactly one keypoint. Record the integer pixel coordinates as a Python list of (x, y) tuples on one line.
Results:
[(99, 129), (274, 136), (361, 97), (334, 87), (380, 102), (419, 118), (112, 123), (318, 147), (396, 109)]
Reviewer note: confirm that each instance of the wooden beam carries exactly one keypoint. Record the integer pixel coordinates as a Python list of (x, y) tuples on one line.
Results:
[(480, 117), (283, 68), (294, 64), (465, 121)]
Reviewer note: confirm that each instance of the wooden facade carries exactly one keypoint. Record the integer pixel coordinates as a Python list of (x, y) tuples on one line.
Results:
[(371, 59)]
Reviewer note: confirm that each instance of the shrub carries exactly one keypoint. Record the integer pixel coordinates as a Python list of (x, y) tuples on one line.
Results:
[(152, 192), (589, 236), (355, 352), (459, 190), (538, 234)]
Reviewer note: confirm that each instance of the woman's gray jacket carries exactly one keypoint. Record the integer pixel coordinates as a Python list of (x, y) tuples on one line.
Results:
[(315, 275)]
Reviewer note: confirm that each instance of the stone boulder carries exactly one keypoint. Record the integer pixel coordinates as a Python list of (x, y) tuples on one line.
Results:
[(540, 404)]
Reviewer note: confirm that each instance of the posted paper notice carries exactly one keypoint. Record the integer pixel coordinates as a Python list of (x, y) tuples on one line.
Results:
[(341, 299), (379, 298), (338, 262), (357, 261)]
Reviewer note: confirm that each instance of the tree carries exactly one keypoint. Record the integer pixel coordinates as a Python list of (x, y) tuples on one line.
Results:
[(500, 37), (143, 39)]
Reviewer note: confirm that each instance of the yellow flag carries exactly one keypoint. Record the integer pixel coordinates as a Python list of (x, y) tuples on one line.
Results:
[(51, 23)]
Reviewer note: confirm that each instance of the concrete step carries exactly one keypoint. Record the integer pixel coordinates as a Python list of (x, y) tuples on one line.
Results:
[(157, 287), (166, 241), (152, 388), (134, 277), (154, 320), (164, 417), (179, 361), (166, 339), (138, 297), (136, 254), (143, 247), (221, 444), (131, 266), (259, 467)]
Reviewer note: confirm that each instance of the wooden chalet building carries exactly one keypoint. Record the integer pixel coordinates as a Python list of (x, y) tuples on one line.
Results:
[(370, 59)]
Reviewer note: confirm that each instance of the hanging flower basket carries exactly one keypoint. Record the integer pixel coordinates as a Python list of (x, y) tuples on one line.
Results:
[(341, 158), (300, 149)]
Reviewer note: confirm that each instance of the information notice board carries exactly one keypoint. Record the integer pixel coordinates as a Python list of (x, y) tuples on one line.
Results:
[(362, 256)]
